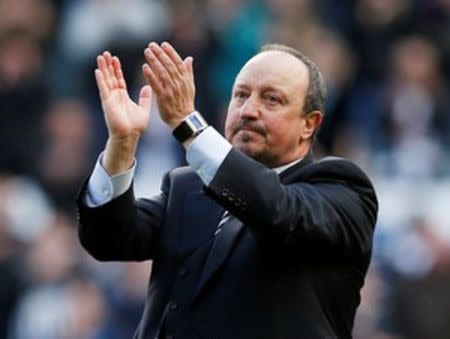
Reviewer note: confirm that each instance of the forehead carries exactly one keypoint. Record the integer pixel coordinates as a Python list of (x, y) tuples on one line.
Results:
[(274, 68)]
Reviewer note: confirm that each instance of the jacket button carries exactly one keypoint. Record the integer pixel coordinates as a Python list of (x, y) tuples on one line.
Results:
[(173, 305), (225, 192), (183, 272)]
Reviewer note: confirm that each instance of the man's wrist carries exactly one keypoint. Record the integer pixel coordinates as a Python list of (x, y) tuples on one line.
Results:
[(191, 126), (119, 155), (206, 152)]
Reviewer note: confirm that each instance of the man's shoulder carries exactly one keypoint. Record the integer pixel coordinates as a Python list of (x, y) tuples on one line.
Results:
[(332, 168), (338, 165)]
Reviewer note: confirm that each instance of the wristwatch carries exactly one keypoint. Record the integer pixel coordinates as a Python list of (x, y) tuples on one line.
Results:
[(192, 125)]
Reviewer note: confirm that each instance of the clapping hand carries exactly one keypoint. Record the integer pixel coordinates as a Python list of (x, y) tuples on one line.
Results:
[(172, 81), (126, 120)]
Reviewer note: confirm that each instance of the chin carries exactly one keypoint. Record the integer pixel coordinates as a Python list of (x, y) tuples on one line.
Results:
[(245, 145), (258, 154), (245, 148)]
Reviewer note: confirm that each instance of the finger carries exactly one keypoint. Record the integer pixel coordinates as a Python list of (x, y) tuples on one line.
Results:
[(101, 84), (103, 66), (157, 67), (145, 98), (189, 64), (152, 79), (174, 56), (106, 56), (118, 73), (112, 80), (164, 59)]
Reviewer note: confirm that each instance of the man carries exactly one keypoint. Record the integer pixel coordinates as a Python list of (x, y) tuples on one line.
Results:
[(254, 239)]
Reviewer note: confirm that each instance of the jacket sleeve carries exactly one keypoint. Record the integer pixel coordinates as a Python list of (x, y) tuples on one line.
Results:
[(125, 229), (330, 207)]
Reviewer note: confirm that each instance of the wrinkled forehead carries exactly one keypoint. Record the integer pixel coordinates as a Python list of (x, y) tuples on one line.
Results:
[(274, 68)]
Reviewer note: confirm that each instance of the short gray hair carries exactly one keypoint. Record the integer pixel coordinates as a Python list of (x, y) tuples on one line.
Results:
[(316, 94)]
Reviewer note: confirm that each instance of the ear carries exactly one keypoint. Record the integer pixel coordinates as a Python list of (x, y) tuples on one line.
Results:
[(311, 122)]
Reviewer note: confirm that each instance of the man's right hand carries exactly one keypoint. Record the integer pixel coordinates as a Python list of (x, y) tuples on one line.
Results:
[(125, 119)]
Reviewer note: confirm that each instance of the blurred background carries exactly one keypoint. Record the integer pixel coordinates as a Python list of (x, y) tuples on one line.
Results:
[(387, 66)]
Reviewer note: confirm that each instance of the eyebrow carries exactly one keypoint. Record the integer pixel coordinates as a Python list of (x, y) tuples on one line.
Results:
[(265, 88), (240, 86)]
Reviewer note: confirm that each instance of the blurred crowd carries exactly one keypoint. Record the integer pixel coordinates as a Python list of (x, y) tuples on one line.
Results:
[(387, 67)]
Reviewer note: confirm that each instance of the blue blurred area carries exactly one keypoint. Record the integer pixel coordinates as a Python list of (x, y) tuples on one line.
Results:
[(387, 67)]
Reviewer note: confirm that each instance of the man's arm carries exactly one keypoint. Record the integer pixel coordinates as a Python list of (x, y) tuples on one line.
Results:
[(326, 210), (125, 120), (331, 206), (121, 228), (125, 228)]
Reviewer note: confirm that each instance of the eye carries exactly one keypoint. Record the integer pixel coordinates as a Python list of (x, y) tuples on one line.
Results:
[(240, 94), (271, 99)]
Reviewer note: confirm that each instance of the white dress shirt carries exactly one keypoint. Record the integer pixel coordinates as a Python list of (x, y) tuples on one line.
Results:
[(204, 155)]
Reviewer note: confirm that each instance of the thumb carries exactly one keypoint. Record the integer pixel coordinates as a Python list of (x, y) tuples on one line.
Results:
[(145, 98)]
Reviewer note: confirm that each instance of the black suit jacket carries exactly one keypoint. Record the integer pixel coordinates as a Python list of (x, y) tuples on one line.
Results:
[(290, 265)]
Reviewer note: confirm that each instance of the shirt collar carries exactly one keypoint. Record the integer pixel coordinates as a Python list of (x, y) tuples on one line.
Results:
[(285, 167)]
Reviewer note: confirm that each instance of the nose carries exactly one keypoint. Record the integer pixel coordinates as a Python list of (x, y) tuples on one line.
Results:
[(250, 108)]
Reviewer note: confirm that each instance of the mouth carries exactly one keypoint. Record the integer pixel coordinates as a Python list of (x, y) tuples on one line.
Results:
[(249, 127), (248, 135)]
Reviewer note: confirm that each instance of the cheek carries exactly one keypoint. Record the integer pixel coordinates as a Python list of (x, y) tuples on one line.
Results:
[(284, 131), (229, 123)]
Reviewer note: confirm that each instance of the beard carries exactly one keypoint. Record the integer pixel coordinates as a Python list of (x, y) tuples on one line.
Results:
[(246, 143)]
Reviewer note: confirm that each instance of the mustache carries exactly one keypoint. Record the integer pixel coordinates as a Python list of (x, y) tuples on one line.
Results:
[(254, 126)]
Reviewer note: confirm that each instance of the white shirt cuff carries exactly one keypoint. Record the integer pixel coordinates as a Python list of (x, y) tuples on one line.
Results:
[(103, 188), (206, 153)]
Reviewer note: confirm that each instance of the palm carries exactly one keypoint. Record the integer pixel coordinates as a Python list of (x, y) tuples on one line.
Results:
[(123, 116)]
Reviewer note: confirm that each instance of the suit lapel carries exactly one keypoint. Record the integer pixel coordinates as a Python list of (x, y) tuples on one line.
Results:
[(219, 252), (200, 217)]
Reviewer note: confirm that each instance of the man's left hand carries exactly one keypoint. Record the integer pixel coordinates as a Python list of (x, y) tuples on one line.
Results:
[(172, 81)]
